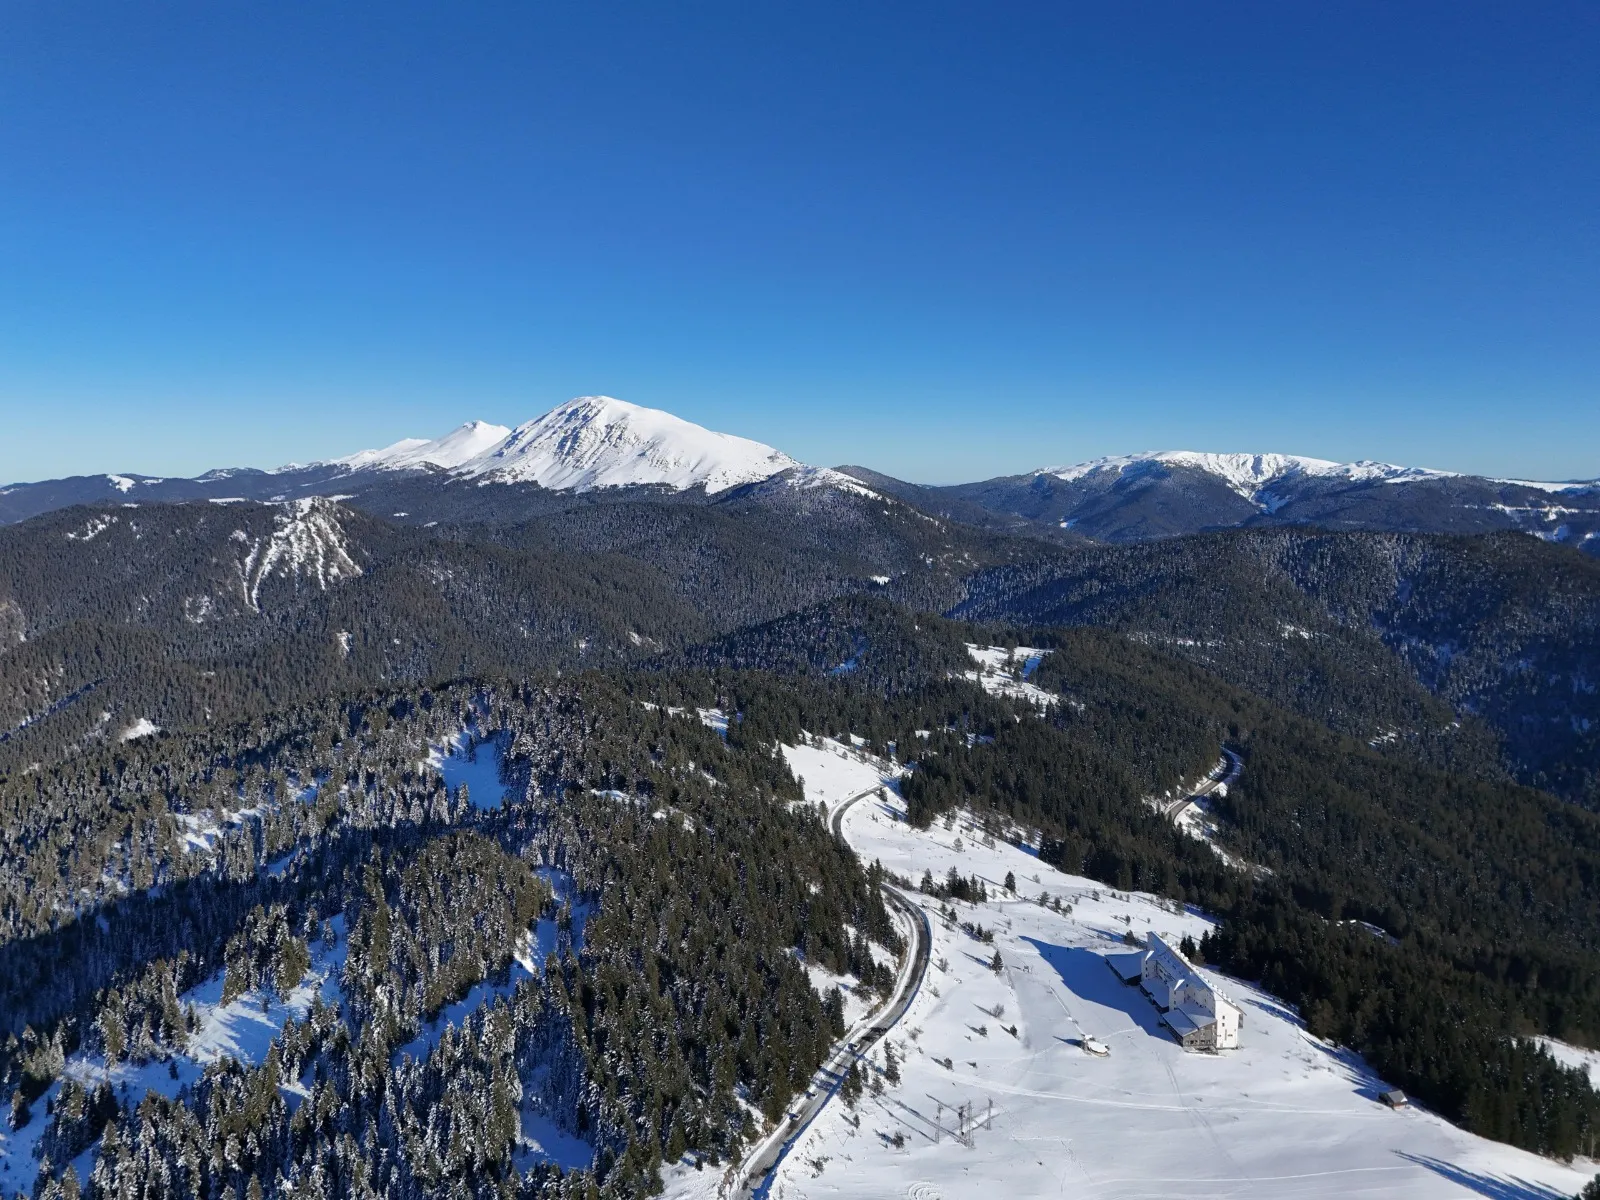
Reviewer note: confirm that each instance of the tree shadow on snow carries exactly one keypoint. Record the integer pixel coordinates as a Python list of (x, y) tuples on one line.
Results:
[(1272, 1006), (1495, 1187), (1090, 978)]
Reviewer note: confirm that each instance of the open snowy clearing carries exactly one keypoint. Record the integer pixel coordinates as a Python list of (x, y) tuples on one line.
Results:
[(1284, 1116), (832, 772), (471, 762), (1003, 672)]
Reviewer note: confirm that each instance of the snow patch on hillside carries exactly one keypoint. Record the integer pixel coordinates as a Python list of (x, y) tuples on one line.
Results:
[(307, 542), (143, 727), (476, 763), (826, 477), (1004, 672), (1569, 1055), (831, 773), (92, 529)]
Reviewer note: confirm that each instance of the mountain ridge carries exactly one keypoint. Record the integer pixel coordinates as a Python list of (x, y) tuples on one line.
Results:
[(602, 445)]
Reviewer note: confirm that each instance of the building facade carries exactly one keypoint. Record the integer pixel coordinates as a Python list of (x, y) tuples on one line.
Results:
[(1199, 1016)]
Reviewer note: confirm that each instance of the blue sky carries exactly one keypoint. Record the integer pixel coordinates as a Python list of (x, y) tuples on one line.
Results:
[(945, 240)]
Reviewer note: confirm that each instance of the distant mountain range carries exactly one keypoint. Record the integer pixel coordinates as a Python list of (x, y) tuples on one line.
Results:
[(600, 444), (1141, 497)]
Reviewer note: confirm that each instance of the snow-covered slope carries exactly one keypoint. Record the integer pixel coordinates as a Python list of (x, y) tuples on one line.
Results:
[(1247, 474), (307, 542), (460, 445), (598, 442), (1140, 497), (593, 442), (993, 1094)]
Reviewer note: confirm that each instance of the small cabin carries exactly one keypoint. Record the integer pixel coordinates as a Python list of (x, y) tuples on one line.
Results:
[(1393, 1098)]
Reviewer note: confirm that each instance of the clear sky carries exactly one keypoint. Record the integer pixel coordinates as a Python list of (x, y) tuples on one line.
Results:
[(948, 241)]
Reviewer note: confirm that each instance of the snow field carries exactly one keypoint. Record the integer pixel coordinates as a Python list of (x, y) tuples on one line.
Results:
[(833, 772), (1284, 1116), (477, 766)]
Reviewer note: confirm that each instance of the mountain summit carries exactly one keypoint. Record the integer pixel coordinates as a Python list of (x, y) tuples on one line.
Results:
[(461, 444), (598, 442)]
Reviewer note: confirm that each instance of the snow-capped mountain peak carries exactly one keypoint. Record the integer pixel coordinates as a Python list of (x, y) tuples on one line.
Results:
[(454, 448), (598, 442), (1247, 474)]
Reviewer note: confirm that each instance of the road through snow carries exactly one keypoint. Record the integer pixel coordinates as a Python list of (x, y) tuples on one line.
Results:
[(1224, 774), (997, 1098), (756, 1173)]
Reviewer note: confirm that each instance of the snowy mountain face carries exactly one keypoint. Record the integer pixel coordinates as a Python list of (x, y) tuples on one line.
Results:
[(1248, 474), (586, 444), (598, 442), (460, 445), (1143, 496)]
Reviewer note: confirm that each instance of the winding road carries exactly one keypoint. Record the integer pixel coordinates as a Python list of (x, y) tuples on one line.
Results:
[(756, 1171), (1225, 772)]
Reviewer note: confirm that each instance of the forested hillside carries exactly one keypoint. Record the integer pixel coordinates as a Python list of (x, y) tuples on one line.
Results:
[(183, 615), (354, 771), (640, 1034), (1482, 893), (1387, 637)]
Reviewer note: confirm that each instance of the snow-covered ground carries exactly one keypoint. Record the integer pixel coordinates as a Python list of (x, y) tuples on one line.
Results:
[(833, 772), (1284, 1116), (1003, 672), (542, 1140), (475, 764)]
